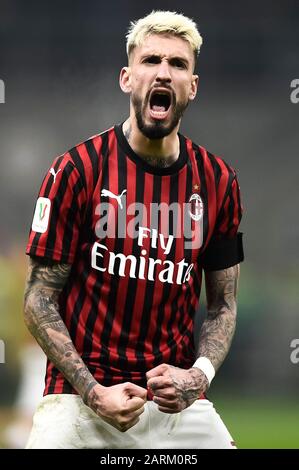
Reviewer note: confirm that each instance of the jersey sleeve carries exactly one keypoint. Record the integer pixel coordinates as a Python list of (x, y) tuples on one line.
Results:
[(58, 214), (225, 248)]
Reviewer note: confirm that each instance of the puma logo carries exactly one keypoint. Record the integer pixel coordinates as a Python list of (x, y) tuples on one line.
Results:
[(107, 193), (52, 171)]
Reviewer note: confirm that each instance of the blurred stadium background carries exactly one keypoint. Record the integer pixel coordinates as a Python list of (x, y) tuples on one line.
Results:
[(60, 64)]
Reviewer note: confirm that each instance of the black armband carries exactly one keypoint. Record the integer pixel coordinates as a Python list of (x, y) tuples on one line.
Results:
[(223, 253)]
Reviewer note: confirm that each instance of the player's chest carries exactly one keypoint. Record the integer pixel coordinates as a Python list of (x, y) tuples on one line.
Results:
[(163, 218)]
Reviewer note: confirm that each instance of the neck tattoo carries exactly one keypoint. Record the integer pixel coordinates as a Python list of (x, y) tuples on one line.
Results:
[(159, 162)]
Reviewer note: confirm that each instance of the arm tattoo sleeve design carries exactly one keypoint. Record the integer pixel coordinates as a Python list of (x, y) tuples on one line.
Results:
[(218, 328), (43, 287)]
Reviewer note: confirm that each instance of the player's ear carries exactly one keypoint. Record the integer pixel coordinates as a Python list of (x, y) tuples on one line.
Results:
[(125, 79), (194, 86)]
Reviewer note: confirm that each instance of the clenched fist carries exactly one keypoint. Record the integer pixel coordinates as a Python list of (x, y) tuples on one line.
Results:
[(119, 405), (175, 389)]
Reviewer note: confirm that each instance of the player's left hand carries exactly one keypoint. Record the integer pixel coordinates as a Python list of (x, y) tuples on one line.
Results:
[(175, 389)]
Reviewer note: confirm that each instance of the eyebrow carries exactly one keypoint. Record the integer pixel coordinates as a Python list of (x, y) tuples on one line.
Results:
[(158, 56)]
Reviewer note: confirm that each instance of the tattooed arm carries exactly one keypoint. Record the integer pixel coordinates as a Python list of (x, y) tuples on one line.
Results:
[(175, 389), (122, 404), (218, 329), (42, 318)]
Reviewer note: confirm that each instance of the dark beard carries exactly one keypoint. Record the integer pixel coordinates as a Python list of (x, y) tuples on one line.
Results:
[(157, 130)]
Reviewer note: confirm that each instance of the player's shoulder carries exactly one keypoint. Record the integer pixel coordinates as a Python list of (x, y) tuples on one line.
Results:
[(211, 161), (90, 148), (85, 156)]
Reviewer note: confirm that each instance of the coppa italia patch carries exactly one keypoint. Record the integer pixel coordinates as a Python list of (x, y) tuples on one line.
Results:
[(41, 215)]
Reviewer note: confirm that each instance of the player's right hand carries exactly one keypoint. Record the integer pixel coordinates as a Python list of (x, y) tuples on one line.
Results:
[(119, 405)]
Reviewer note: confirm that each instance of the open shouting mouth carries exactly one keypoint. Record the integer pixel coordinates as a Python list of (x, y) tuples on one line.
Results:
[(160, 103)]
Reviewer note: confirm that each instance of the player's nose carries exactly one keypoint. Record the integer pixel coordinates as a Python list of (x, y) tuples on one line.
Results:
[(163, 72)]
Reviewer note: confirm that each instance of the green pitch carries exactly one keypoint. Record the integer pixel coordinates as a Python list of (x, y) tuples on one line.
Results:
[(261, 423)]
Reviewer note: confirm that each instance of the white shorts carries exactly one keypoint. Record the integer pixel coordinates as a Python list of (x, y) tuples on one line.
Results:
[(62, 421)]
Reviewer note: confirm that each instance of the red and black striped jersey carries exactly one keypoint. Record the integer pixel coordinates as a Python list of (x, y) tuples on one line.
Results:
[(138, 238)]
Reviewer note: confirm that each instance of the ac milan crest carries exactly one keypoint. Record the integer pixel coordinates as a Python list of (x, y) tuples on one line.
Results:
[(196, 207)]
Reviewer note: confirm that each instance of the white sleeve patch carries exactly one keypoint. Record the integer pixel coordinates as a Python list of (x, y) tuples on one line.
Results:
[(41, 215)]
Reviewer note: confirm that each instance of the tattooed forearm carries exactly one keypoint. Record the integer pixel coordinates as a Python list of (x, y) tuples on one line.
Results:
[(218, 329), (41, 313)]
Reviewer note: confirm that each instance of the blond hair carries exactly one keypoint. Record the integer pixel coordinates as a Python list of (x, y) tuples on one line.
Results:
[(164, 22)]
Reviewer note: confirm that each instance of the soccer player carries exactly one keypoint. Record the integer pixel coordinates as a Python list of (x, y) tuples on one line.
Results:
[(124, 226)]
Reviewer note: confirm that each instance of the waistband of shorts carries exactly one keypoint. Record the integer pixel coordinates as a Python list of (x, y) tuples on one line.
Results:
[(150, 395)]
